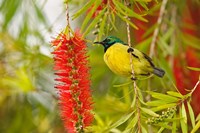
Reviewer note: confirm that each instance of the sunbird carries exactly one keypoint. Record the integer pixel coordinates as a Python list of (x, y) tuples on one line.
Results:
[(117, 58)]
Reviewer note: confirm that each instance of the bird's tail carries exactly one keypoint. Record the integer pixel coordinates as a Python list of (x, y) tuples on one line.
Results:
[(158, 72)]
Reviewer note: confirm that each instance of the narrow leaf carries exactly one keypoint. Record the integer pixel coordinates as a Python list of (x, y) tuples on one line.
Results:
[(156, 103), (132, 123), (161, 130), (102, 26), (164, 125), (163, 107), (165, 65), (150, 112), (89, 15), (197, 126), (191, 40), (194, 68), (182, 121), (94, 22), (198, 117), (175, 94), (191, 112), (40, 14), (174, 124), (163, 97), (144, 130), (121, 121), (126, 20), (183, 113), (83, 9), (128, 11)]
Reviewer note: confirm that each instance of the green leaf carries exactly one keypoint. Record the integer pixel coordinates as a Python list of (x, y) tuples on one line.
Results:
[(196, 127), (191, 40), (115, 130), (144, 130), (165, 65), (22, 81), (163, 107), (175, 94), (164, 125), (102, 26), (112, 21), (163, 97), (183, 113), (120, 7), (99, 119), (89, 15), (121, 120), (161, 129), (9, 9), (198, 117), (172, 119), (144, 5), (132, 123), (134, 101), (126, 20), (144, 45), (157, 103), (191, 112), (183, 121), (40, 14), (83, 9), (164, 46), (174, 124), (94, 22), (149, 31), (150, 112), (168, 34), (194, 68)]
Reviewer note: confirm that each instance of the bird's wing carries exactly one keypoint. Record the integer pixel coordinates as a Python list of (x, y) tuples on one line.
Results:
[(148, 59)]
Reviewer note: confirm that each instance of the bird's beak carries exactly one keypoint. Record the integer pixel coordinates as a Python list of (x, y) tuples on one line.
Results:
[(99, 43)]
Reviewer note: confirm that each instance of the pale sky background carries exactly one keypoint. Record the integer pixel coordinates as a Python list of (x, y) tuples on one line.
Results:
[(55, 13)]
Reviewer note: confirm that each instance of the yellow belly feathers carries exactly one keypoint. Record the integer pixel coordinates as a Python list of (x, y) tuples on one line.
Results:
[(118, 60)]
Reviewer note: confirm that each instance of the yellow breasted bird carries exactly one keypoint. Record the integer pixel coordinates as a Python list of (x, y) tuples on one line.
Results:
[(117, 58)]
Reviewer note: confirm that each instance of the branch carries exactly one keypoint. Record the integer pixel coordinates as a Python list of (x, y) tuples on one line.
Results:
[(133, 74), (156, 31)]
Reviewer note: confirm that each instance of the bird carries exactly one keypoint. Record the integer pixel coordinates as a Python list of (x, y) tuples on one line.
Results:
[(117, 58)]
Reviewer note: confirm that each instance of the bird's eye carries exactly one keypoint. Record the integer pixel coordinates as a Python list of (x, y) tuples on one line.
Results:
[(108, 40)]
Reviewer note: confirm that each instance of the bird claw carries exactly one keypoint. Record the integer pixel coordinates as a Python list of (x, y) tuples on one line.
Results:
[(130, 50), (133, 78)]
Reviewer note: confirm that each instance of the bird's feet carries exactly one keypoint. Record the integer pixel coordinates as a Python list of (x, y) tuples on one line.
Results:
[(133, 78), (130, 50)]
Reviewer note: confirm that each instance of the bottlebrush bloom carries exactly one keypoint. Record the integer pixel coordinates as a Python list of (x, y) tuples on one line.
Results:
[(72, 70)]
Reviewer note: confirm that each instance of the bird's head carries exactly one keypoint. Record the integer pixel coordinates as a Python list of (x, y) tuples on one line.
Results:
[(109, 41)]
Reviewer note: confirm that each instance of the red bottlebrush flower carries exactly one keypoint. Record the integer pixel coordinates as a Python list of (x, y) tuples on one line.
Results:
[(72, 70), (185, 78)]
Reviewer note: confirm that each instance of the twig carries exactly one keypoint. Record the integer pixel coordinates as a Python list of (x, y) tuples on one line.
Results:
[(133, 74), (156, 31), (198, 82), (67, 18)]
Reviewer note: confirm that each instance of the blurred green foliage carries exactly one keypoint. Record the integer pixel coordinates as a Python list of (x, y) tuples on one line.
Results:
[(28, 100)]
